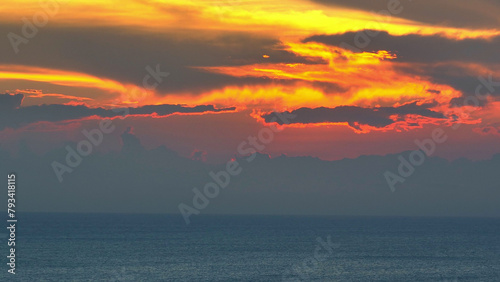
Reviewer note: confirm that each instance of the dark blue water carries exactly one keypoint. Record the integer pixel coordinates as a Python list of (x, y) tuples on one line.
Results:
[(104, 247)]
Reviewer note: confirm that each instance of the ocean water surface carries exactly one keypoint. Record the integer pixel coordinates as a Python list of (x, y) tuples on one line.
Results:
[(126, 247)]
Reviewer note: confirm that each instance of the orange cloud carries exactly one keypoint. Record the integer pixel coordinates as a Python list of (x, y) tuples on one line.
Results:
[(121, 93), (290, 19), (370, 79)]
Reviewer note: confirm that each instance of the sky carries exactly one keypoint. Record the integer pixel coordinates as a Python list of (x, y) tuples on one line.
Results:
[(197, 78)]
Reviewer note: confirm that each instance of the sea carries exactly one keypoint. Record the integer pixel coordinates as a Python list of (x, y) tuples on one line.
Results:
[(146, 247)]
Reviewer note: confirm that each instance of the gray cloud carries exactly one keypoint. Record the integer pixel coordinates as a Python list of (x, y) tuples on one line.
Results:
[(122, 55), (421, 48), (10, 102), (355, 116), (17, 117)]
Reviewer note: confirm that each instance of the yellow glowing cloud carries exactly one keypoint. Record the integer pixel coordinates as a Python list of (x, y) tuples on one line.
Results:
[(370, 80), (287, 19), (127, 93), (271, 97)]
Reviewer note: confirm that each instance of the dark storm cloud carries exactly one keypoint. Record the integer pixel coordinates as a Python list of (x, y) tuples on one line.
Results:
[(452, 13), (16, 117), (123, 55), (421, 48), (355, 116), (9, 102)]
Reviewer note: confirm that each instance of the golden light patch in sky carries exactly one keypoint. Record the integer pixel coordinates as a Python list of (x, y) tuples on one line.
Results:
[(370, 79), (272, 97), (118, 92), (59, 77)]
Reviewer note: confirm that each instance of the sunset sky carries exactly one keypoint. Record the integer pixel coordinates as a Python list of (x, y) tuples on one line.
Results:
[(362, 78), (222, 140)]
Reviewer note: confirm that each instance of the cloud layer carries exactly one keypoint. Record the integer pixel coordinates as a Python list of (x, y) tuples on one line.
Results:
[(455, 13), (419, 48), (14, 116), (356, 116)]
